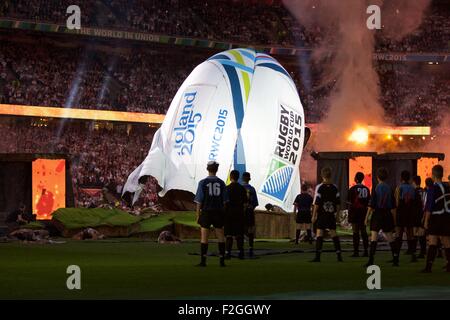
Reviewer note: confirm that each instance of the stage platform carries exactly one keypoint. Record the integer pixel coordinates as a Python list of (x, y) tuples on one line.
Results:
[(117, 223)]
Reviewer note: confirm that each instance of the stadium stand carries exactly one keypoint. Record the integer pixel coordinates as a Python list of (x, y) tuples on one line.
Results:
[(40, 69), (248, 22), (101, 156), (45, 72)]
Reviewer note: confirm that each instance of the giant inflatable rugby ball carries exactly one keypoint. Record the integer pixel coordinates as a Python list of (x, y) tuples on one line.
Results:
[(241, 109)]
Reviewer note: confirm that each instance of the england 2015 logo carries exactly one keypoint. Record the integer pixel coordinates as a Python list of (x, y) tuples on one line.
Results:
[(286, 154), (186, 126)]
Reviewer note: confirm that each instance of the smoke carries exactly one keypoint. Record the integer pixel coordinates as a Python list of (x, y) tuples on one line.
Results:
[(402, 17), (440, 143), (345, 56)]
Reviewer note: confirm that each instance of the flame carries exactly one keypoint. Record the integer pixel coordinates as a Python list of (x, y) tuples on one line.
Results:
[(359, 136)]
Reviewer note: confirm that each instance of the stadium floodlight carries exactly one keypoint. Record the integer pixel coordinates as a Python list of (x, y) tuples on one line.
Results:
[(239, 108)]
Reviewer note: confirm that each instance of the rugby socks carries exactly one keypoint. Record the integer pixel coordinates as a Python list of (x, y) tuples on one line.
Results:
[(365, 240), (229, 244), (395, 248), (431, 255), (309, 235), (337, 247), (399, 243), (355, 244), (410, 246), (203, 253), (222, 253), (240, 245), (251, 241), (372, 250), (423, 246), (439, 251), (297, 235), (413, 246), (319, 245), (447, 255)]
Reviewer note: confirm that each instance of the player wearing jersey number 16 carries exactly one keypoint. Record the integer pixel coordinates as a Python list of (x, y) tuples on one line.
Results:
[(211, 197)]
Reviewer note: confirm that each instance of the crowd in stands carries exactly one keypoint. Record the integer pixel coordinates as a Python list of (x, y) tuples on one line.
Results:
[(411, 97), (433, 35), (99, 157), (45, 75), (254, 22), (45, 72), (139, 80)]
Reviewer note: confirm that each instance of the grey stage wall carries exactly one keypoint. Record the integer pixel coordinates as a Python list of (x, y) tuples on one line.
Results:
[(339, 164), (339, 174), (395, 163), (16, 176), (394, 168), (15, 185)]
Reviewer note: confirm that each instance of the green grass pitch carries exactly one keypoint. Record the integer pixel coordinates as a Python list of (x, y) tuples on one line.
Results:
[(134, 269)]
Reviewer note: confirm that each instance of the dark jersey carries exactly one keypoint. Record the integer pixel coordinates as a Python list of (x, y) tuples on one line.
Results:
[(421, 197), (382, 197), (419, 202), (251, 195), (237, 196), (327, 198), (303, 202), (438, 199), (405, 195), (211, 194), (252, 204), (358, 197)]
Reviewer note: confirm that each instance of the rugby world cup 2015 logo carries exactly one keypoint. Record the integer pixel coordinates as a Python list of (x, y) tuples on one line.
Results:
[(286, 154), (277, 180)]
